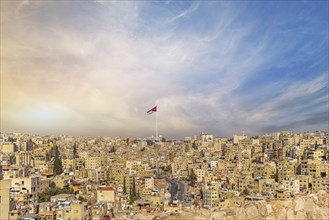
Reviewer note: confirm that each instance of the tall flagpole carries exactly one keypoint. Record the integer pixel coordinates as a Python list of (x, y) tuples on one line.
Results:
[(156, 125)]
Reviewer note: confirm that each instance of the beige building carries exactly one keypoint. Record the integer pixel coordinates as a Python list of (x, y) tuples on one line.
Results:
[(149, 182), (92, 162), (47, 210), (320, 184), (8, 147), (291, 184), (304, 182), (5, 205), (78, 211), (200, 173), (27, 186), (237, 138), (211, 198), (315, 168), (24, 158), (69, 164), (62, 180), (73, 210), (106, 194)]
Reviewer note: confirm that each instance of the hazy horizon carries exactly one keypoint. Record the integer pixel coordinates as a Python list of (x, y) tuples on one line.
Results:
[(96, 68), (160, 135)]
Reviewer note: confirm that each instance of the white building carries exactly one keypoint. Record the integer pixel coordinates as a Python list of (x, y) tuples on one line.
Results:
[(213, 164), (149, 183), (291, 184)]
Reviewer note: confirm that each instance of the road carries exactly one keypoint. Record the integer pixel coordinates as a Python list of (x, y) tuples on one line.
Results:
[(182, 189)]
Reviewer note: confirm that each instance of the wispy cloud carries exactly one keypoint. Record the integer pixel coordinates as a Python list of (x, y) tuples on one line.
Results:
[(194, 6), (214, 67)]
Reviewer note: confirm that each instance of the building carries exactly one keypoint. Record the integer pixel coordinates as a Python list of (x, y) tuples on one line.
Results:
[(8, 147), (211, 198), (290, 183), (26, 186), (149, 182), (5, 203), (92, 162), (105, 194)]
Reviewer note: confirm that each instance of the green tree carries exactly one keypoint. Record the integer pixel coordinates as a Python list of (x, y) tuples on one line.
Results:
[(124, 186), (75, 152), (176, 189), (168, 168), (134, 187), (245, 192), (58, 167), (112, 213), (133, 195), (192, 178), (52, 191), (52, 185), (113, 150)]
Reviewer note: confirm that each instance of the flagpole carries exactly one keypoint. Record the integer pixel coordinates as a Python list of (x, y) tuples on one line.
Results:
[(156, 125)]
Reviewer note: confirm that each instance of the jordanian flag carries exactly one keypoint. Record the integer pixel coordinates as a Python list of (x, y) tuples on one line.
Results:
[(154, 109)]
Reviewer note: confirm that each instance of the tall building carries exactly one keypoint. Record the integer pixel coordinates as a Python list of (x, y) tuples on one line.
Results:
[(5, 204)]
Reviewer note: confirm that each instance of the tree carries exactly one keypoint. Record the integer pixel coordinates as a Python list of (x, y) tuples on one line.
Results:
[(134, 188), (75, 152), (112, 213), (168, 168), (192, 178), (175, 189), (52, 191), (11, 139), (113, 150), (194, 145), (58, 168), (245, 192), (133, 195), (124, 186), (52, 185)]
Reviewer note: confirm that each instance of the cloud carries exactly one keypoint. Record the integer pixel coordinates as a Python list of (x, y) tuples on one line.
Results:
[(194, 6), (310, 122), (102, 65)]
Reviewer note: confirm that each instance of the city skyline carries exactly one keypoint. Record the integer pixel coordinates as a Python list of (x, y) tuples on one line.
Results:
[(95, 68)]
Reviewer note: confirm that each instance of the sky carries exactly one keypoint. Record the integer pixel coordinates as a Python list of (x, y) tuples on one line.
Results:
[(96, 67)]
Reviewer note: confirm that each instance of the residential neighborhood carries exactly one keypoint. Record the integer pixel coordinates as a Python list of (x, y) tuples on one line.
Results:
[(73, 178)]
